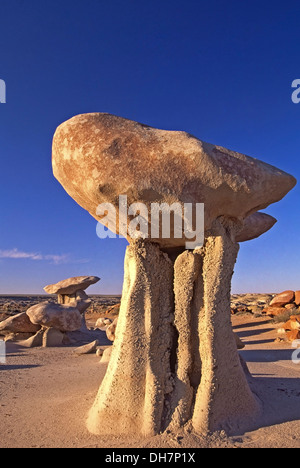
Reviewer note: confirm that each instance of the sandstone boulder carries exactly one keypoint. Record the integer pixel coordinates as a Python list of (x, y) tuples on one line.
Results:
[(62, 317), (97, 157), (34, 341), (19, 323), (297, 298), (286, 297), (274, 311), (239, 343), (111, 330), (293, 335), (87, 349), (52, 338), (71, 285), (106, 355), (292, 324), (255, 225)]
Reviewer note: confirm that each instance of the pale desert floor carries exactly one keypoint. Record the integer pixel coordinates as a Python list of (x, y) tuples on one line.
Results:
[(45, 394)]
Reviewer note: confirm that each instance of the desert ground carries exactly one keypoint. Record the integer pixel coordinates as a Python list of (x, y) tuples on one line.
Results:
[(45, 393)]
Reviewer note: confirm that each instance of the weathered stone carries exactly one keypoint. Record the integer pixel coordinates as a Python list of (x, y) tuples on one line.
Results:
[(89, 348), (293, 335), (292, 324), (15, 337), (35, 341), (71, 285), (62, 317), (99, 352), (239, 343), (223, 398), (106, 355), (103, 322), (111, 330), (274, 311), (52, 338), (290, 306), (18, 324), (297, 298), (97, 157), (254, 226), (282, 299)]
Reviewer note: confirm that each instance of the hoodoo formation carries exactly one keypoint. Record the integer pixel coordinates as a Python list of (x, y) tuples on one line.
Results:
[(174, 359)]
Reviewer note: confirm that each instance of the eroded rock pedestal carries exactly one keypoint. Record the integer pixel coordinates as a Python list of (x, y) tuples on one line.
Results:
[(175, 357)]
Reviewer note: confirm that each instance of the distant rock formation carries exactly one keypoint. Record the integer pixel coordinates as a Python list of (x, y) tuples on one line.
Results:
[(45, 324)]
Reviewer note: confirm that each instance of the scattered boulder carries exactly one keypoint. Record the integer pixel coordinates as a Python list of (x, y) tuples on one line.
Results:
[(103, 322), (291, 328), (111, 330), (254, 226), (274, 311), (239, 343), (63, 317), (297, 298), (292, 324), (99, 352), (35, 341), (286, 297), (113, 310), (18, 324), (87, 349), (289, 306), (15, 337), (52, 338), (106, 355), (293, 335)]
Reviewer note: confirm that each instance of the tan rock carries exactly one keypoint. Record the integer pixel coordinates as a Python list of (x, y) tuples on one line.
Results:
[(239, 343), (52, 338), (292, 324), (99, 352), (62, 317), (35, 341), (297, 298), (71, 285), (19, 323), (111, 330), (293, 335), (283, 298), (106, 355), (97, 157), (89, 348), (274, 311), (255, 225), (290, 306), (15, 337), (132, 393)]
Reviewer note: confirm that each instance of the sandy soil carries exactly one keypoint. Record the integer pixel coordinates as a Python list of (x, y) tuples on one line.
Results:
[(45, 394)]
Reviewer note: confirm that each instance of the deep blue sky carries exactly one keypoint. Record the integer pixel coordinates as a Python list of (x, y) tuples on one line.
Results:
[(221, 70)]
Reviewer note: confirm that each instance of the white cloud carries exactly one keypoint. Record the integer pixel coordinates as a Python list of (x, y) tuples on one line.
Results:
[(17, 254)]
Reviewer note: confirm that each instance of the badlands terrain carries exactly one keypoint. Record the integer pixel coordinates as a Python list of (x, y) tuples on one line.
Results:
[(45, 393)]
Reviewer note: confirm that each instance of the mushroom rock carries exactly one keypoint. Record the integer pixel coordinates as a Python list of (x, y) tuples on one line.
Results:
[(175, 356), (255, 225)]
